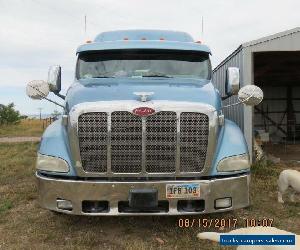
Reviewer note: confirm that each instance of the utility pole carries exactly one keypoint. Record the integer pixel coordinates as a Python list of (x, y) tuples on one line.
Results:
[(40, 109)]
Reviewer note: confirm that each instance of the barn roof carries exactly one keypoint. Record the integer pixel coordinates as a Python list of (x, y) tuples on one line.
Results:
[(259, 41), (271, 37)]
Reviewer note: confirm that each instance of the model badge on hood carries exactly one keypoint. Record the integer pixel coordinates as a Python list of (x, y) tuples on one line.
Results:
[(143, 111), (143, 95)]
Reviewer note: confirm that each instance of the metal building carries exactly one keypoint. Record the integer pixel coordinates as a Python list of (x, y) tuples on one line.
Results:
[(273, 64)]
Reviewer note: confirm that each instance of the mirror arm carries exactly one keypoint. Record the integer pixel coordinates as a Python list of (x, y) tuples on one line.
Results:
[(60, 95), (239, 101), (230, 105), (54, 102), (44, 97), (225, 97)]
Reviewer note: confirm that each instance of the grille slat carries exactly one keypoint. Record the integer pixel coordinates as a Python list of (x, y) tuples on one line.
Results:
[(125, 142), (161, 142), (193, 141), (92, 135)]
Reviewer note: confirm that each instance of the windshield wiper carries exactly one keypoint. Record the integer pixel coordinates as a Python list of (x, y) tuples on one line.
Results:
[(103, 77), (156, 75)]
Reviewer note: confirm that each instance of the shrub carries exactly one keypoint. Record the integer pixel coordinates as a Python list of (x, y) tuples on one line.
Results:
[(8, 114)]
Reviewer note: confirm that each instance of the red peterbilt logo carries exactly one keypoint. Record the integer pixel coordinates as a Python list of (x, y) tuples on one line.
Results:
[(143, 111)]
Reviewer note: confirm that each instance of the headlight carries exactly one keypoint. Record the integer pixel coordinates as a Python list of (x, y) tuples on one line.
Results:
[(234, 163), (51, 163)]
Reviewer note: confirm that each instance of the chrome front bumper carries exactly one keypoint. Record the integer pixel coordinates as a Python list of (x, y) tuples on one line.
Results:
[(52, 189)]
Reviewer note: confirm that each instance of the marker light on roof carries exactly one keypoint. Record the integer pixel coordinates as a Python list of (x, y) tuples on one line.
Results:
[(198, 42), (161, 39), (143, 38), (125, 38), (88, 41)]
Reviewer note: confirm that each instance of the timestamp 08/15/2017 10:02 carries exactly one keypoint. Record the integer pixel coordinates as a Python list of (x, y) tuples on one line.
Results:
[(221, 223)]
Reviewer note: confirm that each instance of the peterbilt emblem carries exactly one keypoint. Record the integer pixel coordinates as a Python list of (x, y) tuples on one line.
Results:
[(143, 95), (143, 111)]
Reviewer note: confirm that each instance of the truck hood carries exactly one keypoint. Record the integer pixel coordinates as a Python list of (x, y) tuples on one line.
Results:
[(172, 89)]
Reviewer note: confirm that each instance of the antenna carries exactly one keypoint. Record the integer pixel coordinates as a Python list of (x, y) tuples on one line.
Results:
[(202, 26), (85, 25)]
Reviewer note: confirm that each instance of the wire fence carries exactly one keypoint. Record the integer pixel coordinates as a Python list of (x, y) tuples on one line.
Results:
[(47, 121)]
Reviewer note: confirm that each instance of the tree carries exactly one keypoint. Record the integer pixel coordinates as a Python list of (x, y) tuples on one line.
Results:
[(24, 117), (55, 115), (8, 114)]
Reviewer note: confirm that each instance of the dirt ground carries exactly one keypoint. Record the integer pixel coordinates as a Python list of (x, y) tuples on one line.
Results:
[(19, 139), (286, 152), (24, 225)]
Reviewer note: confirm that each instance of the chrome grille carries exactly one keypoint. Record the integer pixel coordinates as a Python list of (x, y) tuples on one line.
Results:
[(161, 142), (193, 141), (92, 134), (126, 143), (123, 143)]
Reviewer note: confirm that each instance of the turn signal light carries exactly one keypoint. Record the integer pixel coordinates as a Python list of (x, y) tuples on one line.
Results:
[(223, 203), (64, 204)]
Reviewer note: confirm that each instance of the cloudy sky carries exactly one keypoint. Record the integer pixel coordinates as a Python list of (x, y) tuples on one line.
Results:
[(35, 34)]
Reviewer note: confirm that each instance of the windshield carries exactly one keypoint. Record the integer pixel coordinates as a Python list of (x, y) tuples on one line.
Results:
[(143, 63)]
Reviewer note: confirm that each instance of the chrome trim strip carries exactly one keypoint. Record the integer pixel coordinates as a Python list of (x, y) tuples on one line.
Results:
[(144, 135), (129, 105), (109, 144), (177, 169)]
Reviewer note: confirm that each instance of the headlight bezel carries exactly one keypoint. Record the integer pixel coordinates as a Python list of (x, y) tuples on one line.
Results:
[(51, 164), (234, 163)]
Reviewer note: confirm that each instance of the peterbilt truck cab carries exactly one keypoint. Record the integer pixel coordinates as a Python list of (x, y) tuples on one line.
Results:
[(143, 131)]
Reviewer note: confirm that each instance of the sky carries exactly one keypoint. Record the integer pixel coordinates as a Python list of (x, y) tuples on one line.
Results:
[(35, 34)]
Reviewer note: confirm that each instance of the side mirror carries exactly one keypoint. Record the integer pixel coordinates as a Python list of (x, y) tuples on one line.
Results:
[(37, 89), (232, 83), (250, 95), (54, 79)]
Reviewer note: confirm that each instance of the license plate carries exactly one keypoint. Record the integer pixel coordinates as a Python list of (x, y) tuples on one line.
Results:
[(190, 190)]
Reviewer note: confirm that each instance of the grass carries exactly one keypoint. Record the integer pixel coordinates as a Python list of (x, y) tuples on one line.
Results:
[(24, 225), (27, 127), (5, 205)]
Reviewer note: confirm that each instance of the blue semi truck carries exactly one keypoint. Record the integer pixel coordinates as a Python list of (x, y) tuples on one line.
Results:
[(143, 132)]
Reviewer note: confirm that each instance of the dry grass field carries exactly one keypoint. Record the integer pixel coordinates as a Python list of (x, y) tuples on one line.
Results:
[(28, 127), (24, 225)]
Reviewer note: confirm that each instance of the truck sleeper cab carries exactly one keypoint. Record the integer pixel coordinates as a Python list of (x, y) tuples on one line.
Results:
[(143, 132)]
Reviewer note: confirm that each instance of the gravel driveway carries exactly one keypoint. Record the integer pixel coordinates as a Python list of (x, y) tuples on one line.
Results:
[(19, 139)]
